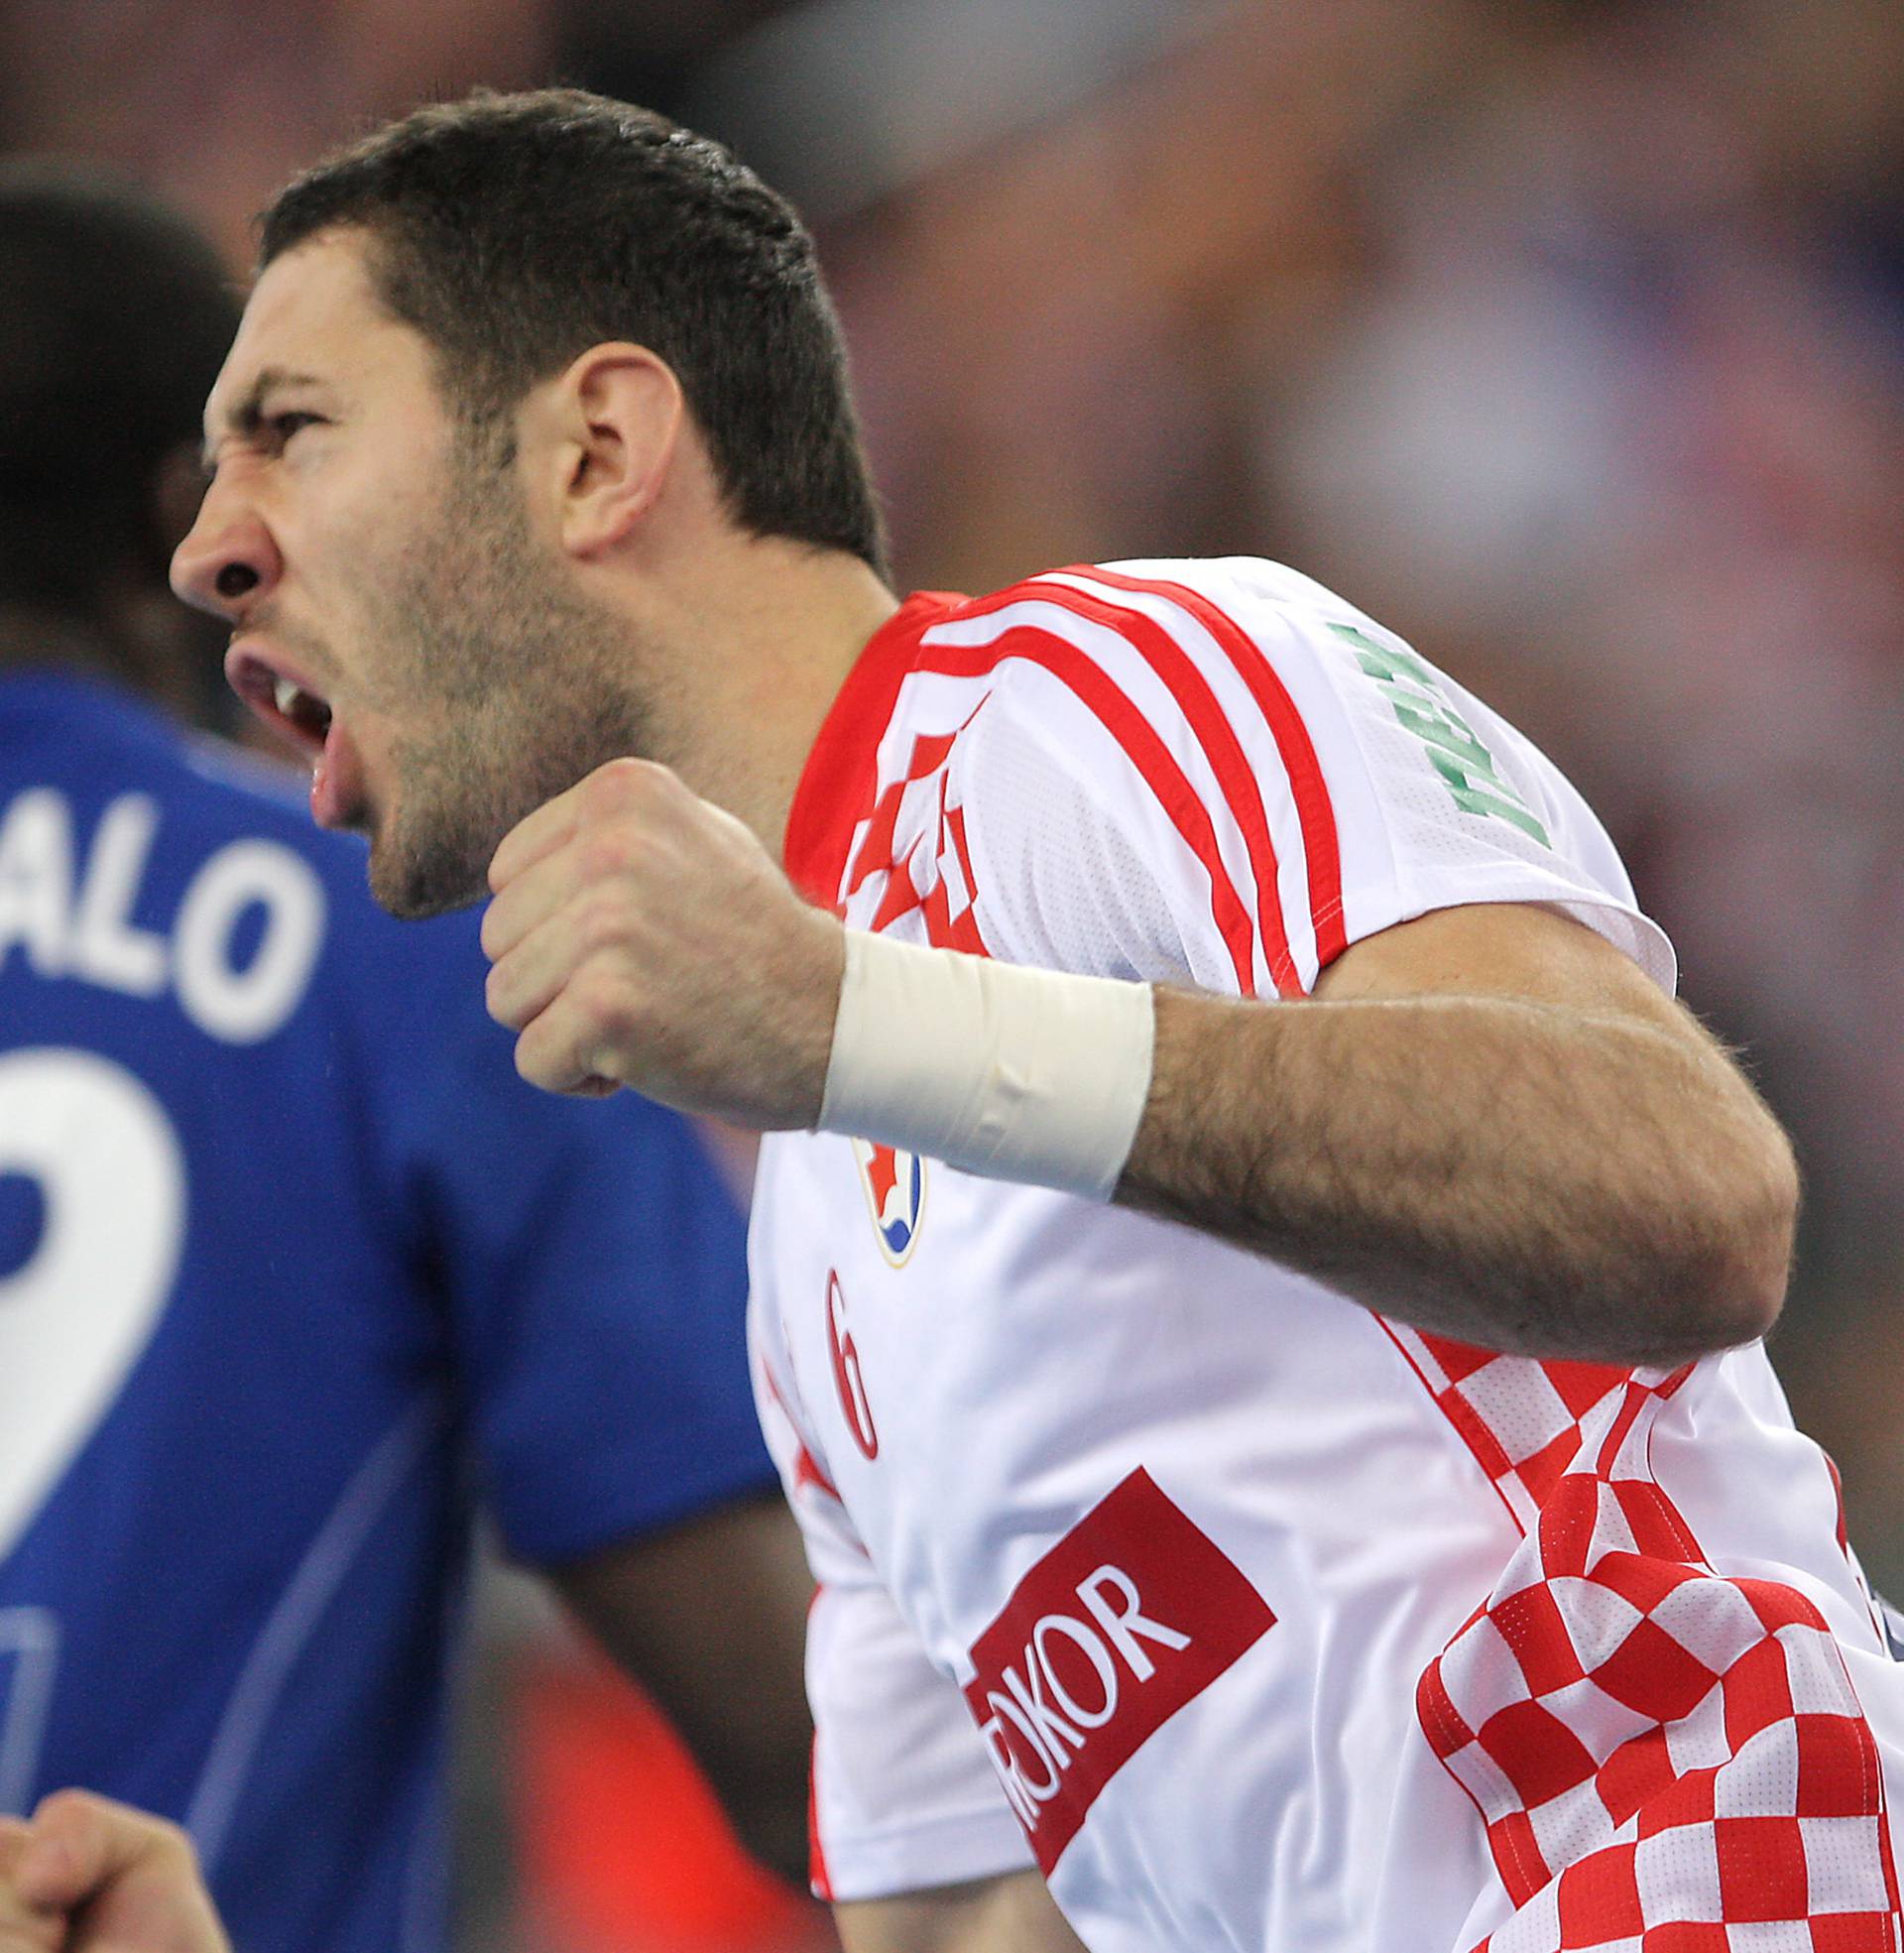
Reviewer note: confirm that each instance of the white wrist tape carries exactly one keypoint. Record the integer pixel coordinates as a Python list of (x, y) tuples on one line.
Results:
[(1019, 1074)]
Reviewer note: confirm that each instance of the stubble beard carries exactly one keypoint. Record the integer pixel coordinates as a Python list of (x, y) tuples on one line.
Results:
[(525, 686)]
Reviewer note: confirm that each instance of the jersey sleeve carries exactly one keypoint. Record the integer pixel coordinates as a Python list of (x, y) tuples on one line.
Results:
[(903, 1796), (1219, 774), (590, 1262)]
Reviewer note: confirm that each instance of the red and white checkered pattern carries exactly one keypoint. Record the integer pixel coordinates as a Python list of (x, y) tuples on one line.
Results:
[(1666, 1761), (911, 854), (1521, 1420)]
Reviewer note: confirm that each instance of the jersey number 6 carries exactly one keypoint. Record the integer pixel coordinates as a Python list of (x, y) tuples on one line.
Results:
[(846, 1370)]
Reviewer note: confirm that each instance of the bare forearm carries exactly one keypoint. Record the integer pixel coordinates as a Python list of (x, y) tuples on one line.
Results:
[(1489, 1121), (709, 1618), (1516, 1173), (1013, 1913)]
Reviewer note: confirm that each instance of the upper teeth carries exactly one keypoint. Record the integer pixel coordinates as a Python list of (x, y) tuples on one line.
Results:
[(287, 695)]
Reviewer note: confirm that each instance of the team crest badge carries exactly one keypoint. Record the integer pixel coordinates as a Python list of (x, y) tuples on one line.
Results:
[(894, 1184)]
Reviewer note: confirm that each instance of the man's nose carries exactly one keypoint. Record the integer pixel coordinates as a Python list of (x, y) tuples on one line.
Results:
[(227, 560)]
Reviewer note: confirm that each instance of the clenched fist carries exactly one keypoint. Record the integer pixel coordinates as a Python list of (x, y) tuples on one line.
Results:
[(640, 937), (89, 1876)]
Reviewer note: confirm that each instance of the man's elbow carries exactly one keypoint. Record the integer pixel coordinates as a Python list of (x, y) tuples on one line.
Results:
[(1734, 1279)]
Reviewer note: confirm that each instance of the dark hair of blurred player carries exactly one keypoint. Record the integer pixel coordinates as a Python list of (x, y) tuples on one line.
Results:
[(98, 472)]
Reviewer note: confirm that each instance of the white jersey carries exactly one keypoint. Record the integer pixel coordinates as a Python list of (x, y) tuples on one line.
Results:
[(1256, 1620)]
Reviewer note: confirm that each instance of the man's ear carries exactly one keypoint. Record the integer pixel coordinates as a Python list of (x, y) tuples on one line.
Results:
[(618, 413)]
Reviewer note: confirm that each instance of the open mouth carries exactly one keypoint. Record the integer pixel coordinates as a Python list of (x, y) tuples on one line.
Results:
[(287, 705), (307, 715)]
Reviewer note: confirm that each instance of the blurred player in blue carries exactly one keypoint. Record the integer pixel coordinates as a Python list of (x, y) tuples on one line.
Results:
[(294, 1273)]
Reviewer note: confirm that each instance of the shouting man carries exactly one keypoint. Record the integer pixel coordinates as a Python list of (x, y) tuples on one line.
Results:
[(1246, 1241)]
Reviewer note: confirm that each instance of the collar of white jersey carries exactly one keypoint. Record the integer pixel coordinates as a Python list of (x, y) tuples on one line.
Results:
[(837, 783)]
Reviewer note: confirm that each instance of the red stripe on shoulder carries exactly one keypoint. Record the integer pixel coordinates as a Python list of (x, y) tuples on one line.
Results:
[(1088, 682), (836, 784), (1210, 725), (1314, 809)]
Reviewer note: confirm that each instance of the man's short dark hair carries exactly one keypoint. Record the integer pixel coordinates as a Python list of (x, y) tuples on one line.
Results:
[(115, 320), (515, 231)]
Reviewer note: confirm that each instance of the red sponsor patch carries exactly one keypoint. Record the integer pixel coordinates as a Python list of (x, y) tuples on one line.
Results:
[(1133, 1614)]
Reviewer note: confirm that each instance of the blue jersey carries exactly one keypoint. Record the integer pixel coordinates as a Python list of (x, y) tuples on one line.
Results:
[(295, 1272)]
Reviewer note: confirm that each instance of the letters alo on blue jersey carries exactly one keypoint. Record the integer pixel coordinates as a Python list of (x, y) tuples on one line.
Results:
[(294, 1268)]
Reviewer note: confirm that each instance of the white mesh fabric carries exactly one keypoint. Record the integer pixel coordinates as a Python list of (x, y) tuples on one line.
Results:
[(1058, 884)]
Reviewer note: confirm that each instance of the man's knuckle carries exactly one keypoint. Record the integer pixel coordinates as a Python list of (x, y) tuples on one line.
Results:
[(175, 1841), (56, 1803), (603, 921), (608, 850), (611, 1001), (616, 783)]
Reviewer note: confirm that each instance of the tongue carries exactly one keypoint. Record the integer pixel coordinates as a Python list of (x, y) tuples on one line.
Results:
[(336, 787)]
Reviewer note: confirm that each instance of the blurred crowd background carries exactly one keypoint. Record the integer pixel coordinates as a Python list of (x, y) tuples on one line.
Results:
[(1567, 336)]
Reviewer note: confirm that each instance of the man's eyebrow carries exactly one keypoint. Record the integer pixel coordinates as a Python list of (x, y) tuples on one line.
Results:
[(246, 415)]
